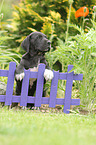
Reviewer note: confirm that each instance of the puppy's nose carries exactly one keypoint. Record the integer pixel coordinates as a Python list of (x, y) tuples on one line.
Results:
[(48, 42)]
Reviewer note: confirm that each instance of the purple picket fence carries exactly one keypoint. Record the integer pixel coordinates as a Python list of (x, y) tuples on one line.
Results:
[(23, 99)]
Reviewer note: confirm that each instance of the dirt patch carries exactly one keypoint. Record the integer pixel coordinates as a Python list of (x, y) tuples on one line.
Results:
[(58, 109)]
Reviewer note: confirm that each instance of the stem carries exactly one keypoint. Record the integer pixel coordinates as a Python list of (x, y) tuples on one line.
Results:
[(93, 16), (0, 11), (1, 5), (83, 23), (68, 22)]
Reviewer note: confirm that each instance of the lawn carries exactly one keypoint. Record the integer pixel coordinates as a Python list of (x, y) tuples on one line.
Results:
[(36, 128)]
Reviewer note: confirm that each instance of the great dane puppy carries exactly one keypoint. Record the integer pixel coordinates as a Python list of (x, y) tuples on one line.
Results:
[(36, 45)]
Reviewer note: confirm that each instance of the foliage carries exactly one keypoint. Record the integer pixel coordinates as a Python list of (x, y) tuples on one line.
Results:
[(48, 17), (6, 8), (6, 54), (33, 15), (80, 51)]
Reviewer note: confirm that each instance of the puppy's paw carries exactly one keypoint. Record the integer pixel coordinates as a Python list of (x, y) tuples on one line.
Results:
[(19, 76), (48, 74)]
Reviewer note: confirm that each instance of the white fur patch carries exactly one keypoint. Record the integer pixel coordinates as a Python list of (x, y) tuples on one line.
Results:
[(19, 76), (34, 69), (48, 74)]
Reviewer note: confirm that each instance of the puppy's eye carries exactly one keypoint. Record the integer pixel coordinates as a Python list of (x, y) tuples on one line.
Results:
[(40, 36), (30, 37)]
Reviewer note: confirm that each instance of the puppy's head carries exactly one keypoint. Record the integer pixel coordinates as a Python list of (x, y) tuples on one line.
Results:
[(36, 42)]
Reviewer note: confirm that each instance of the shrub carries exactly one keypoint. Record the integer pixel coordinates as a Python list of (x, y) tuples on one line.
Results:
[(47, 16), (33, 15), (80, 51)]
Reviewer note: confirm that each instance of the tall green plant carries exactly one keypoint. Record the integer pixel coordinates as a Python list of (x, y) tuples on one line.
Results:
[(80, 51), (6, 54), (68, 21)]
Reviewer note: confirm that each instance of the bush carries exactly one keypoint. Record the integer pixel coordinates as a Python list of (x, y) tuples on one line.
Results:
[(33, 15), (47, 16), (80, 51), (6, 54)]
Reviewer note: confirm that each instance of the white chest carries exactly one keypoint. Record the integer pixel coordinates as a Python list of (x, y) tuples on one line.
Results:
[(34, 69)]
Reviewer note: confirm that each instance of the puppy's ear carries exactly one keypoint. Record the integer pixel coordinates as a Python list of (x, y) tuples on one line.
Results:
[(25, 44)]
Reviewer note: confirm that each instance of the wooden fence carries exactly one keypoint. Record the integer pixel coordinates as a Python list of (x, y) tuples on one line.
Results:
[(23, 99)]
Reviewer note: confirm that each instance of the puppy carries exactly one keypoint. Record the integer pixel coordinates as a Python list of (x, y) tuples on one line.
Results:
[(36, 45)]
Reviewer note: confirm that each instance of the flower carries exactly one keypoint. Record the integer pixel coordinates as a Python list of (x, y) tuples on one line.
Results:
[(83, 11)]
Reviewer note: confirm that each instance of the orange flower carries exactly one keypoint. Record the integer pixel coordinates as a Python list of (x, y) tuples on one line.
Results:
[(83, 11)]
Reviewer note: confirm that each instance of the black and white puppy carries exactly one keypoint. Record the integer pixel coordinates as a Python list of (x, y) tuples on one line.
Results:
[(36, 45)]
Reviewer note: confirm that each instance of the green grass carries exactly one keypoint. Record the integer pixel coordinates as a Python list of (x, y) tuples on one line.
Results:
[(35, 128)]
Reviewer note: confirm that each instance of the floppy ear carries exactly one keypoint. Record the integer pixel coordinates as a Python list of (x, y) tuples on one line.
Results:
[(25, 44)]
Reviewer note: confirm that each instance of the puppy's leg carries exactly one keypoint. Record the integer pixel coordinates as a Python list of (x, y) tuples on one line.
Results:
[(19, 72), (31, 92), (44, 89), (17, 92), (19, 75), (18, 87)]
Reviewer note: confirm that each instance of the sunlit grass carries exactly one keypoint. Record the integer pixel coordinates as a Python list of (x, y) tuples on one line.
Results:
[(28, 127)]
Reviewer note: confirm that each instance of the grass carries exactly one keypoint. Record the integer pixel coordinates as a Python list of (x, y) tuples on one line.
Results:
[(27, 127)]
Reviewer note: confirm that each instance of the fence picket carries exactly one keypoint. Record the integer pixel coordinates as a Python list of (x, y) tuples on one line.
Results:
[(68, 91), (39, 87), (53, 91), (24, 90), (10, 83)]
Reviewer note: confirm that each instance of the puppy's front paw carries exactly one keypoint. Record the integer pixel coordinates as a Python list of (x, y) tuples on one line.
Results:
[(48, 74), (19, 76)]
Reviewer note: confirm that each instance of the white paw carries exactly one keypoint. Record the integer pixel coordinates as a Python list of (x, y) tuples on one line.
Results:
[(19, 76), (48, 74)]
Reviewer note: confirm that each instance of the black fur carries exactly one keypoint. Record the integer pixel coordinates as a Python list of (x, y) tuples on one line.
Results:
[(35, 45)]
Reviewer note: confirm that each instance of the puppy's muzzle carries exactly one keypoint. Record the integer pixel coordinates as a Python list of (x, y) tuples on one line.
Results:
[(49, 45)]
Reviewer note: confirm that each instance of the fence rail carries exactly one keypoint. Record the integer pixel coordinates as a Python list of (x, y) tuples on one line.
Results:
[(23, 99)]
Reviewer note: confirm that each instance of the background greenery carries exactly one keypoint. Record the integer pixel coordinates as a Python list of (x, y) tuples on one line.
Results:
[(51, 17)]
